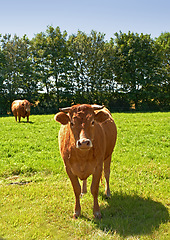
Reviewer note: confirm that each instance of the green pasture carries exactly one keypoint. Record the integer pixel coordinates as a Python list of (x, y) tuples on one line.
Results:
[(36, 196)]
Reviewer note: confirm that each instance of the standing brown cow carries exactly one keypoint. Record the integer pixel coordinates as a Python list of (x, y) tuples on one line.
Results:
[(21, 108), (86, 140)]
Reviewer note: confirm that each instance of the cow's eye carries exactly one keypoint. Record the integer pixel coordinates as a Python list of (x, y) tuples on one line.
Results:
[(71, 123), (92, 123)]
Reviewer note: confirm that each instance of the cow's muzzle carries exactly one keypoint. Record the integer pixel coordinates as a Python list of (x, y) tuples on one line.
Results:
[(84, 144)]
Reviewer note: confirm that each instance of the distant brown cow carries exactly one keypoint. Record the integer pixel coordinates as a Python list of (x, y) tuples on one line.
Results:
[(21, 108), (86, 140)]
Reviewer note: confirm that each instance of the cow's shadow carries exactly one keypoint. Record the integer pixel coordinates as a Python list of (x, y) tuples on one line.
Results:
[(30, 122), (131, 215)]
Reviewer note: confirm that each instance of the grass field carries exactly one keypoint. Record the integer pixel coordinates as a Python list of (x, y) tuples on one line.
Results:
[(36, 196)]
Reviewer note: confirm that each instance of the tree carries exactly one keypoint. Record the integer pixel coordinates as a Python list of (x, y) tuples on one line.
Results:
[(77, 49), (41, 63), (28, 82), (99, 73), (2, 88), (58, 71), (19, 80), (136, 66), (163, 96), (10, 70), (57, 55), (51, 60), (91, 72)]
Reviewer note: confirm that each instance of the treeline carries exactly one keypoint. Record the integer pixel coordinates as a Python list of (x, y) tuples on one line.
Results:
[(130, 71)]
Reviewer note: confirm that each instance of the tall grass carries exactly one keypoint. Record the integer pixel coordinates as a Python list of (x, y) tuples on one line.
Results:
[(36, 197)]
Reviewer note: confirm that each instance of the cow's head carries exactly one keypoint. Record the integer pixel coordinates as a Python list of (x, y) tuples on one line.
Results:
[(27, 105), (82, 120)]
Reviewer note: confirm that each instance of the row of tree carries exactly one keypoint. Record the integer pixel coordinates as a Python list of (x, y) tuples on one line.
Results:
[(54, 70)]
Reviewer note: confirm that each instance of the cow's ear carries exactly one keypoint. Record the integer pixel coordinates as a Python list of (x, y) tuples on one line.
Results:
[(62, 118), (101, 116)]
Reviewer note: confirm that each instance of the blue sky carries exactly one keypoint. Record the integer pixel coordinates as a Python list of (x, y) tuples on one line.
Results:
[(107, 16)]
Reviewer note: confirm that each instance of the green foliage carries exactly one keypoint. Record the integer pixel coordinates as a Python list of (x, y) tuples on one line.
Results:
[(2, 89), (140, 61), (91, 72), (50, 58), (37, 199), (163, 94), (57, 70)]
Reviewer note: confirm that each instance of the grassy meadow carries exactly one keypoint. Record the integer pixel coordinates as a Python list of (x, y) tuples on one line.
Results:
[(36, 196)]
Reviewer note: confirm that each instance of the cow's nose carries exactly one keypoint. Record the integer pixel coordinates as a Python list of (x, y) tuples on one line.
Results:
[(84, 143)]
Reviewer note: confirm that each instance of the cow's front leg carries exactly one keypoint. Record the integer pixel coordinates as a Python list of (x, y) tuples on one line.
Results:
[(95, 190), (77, 192)]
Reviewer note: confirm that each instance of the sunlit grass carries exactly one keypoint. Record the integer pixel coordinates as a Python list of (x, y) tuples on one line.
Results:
[(36, 196)]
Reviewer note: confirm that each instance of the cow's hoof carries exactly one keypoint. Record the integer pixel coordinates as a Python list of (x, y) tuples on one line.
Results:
[(98, 215), (84, 192), (76, 215), (81, 195), (108, 195)]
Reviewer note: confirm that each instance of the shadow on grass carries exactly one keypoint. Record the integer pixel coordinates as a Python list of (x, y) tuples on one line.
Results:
[(131, 215), (30, 122)]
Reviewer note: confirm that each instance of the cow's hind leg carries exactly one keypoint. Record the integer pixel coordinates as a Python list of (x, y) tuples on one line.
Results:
[(95, 190), (19, 118), (77, 192), (107, 175), (27, 119), (84, 187)]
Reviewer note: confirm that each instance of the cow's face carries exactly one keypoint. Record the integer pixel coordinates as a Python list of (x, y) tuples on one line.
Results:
[(27, 105), (82, 125), (82, 120)]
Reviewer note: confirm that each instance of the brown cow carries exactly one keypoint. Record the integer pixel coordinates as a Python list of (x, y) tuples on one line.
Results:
[(21, 108), (86, 140)]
